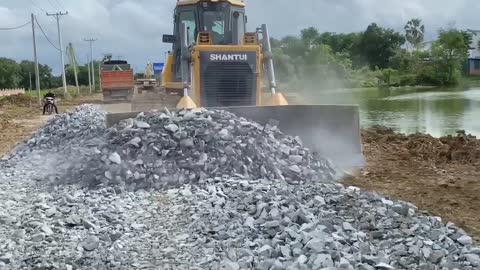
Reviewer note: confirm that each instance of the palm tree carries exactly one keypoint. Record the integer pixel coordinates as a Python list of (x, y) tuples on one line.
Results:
[(415, 32)]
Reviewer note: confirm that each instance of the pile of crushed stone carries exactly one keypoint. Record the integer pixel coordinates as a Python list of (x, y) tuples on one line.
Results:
[(164, 149), (248, 206), (77, 127), (221, 224)]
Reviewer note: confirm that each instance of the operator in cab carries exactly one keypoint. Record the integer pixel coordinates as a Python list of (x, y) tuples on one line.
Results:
[(214, 23)]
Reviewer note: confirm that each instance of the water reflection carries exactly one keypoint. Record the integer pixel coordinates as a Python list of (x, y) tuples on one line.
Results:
[(435, 111)]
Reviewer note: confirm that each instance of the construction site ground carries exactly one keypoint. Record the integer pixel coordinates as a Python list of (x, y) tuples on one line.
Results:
[(20, 117), (440, 176)]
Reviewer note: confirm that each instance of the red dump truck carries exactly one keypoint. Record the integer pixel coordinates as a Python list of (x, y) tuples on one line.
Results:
[(117, 81)]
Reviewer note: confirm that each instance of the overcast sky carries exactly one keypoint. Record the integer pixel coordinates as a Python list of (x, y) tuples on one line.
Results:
[(133, 29)]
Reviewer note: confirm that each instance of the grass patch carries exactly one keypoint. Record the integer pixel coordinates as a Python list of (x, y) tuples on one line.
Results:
[(34, 93)]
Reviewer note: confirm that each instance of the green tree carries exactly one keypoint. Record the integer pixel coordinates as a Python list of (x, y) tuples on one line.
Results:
[(405, 61), (377, 45), (449, 53), (293, 46), (468, 39), (275, 43), (9, 73), (13, 74), (27, 69), (340, 43), (325, 69), (47, 79), (316, 60), (309, 36), (388, 76), (55, 82), (415, 32), (284, 66), (82, 75)]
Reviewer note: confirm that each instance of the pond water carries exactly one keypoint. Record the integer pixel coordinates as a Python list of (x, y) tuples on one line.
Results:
[(437, 112)]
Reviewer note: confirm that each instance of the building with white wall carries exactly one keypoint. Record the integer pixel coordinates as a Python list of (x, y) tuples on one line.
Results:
[(473, 64)]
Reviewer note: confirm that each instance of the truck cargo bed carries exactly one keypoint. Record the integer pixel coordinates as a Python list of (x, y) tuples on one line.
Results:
[(117, 85)]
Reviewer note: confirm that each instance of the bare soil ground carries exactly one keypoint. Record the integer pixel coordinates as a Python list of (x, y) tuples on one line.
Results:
[(21, 116), (150, 100), (441, 176)]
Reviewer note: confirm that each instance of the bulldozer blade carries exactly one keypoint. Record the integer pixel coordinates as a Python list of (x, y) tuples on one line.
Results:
[(332, 131)]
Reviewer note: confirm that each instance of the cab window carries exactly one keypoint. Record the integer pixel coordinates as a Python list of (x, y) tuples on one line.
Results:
[(214, 21), (188, 18)]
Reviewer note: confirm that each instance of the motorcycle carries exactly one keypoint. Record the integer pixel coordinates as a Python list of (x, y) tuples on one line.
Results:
[(49, 107)]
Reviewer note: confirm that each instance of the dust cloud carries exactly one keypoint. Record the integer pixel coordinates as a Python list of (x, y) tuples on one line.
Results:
[(325, 87), (333, 131)]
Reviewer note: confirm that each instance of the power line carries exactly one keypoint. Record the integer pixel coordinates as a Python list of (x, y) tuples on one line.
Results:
[(45, 35), (54, 7), (60, 4), (57, 16), (38, 6), (16, 27), (91, 40)]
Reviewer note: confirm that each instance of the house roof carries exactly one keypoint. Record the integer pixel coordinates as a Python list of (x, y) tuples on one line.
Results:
[(473, 31)]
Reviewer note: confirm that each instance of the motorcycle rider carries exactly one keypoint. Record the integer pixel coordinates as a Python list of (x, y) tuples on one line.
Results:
[(49, 96)]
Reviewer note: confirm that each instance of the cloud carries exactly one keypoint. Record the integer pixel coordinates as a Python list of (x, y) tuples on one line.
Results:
[(133, 28)]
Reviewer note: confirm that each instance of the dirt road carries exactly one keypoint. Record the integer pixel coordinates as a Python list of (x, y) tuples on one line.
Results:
[(147, 100), (19, 121)]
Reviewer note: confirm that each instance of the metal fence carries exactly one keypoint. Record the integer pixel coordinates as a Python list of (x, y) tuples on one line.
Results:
[(9, 92)]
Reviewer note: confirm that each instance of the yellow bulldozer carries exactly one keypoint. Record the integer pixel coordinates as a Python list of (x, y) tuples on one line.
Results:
[(216, 63)]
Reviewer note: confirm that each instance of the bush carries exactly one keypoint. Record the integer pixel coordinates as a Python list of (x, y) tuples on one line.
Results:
[(408, 80), (426, 75), (370, 83)]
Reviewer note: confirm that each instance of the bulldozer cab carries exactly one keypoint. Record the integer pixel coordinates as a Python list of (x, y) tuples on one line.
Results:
[(225, 20)]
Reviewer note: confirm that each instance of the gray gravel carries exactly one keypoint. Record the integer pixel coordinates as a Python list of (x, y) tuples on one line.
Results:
[(83, 124), (162, 149), (288, 215)]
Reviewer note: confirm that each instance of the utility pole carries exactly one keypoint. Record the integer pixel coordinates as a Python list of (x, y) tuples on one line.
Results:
[(60, 43), (76, 77), (37, 76), (89, 76), (99, 77), (91, 40), (73, 61)]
